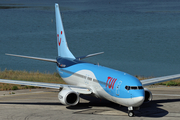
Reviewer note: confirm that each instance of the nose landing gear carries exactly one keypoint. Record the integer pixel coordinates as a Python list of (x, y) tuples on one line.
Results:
[(130, 113)]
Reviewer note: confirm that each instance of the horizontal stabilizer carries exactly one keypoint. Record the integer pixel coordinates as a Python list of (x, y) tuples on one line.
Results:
[(36, 58), (90, 55)]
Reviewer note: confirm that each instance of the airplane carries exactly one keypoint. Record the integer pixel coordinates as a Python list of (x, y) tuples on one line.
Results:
[(91, 79)]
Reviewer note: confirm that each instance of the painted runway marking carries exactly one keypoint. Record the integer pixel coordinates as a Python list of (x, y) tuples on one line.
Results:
[(167, 94), (21, 93)]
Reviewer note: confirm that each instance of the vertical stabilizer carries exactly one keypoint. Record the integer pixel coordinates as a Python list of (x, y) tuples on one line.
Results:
[(63, 49)]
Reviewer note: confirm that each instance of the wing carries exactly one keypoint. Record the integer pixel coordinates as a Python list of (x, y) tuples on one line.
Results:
[(78, 89), (159, 79)]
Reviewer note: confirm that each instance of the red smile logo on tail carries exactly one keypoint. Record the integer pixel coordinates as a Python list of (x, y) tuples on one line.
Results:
[(59, 41)]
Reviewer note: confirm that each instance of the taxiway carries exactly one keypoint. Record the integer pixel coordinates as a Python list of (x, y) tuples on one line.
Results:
[(40, 104)]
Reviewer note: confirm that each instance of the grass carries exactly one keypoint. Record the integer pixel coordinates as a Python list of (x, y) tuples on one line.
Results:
[(49, 78), (27, 76)]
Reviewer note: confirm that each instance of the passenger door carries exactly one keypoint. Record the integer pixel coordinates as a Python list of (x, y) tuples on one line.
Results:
[(86, 80), (118, 87)]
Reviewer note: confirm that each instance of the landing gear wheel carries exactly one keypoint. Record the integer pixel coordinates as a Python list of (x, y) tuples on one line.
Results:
[(130, 113)]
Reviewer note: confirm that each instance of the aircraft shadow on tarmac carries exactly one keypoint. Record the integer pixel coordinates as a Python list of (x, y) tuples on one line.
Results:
[(150, 109)]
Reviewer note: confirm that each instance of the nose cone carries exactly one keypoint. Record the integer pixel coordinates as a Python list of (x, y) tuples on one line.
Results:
[(137, 98), (137, 101)]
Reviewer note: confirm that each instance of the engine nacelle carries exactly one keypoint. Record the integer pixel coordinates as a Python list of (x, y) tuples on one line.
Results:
[(68, 97), (148, 95)]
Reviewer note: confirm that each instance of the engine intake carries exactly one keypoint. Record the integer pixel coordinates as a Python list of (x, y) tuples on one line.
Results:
[(68, 97), (148, 95)]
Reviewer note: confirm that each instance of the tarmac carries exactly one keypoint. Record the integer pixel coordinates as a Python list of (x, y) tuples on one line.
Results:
[(43, 104)]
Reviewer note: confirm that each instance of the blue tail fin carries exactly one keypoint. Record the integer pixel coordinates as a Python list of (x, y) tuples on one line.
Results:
[(63, 49)]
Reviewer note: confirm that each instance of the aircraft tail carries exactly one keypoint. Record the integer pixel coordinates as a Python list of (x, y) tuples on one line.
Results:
[(63, 49)]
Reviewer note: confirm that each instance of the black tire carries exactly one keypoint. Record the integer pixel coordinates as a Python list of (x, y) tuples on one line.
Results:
[(131, 114)]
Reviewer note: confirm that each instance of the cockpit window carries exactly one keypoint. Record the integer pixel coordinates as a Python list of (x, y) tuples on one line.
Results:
[(134, 87), (140, 87), (127, 87)]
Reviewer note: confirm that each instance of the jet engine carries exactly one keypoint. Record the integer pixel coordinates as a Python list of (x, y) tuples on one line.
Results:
[(68, 97), (148, 95)]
